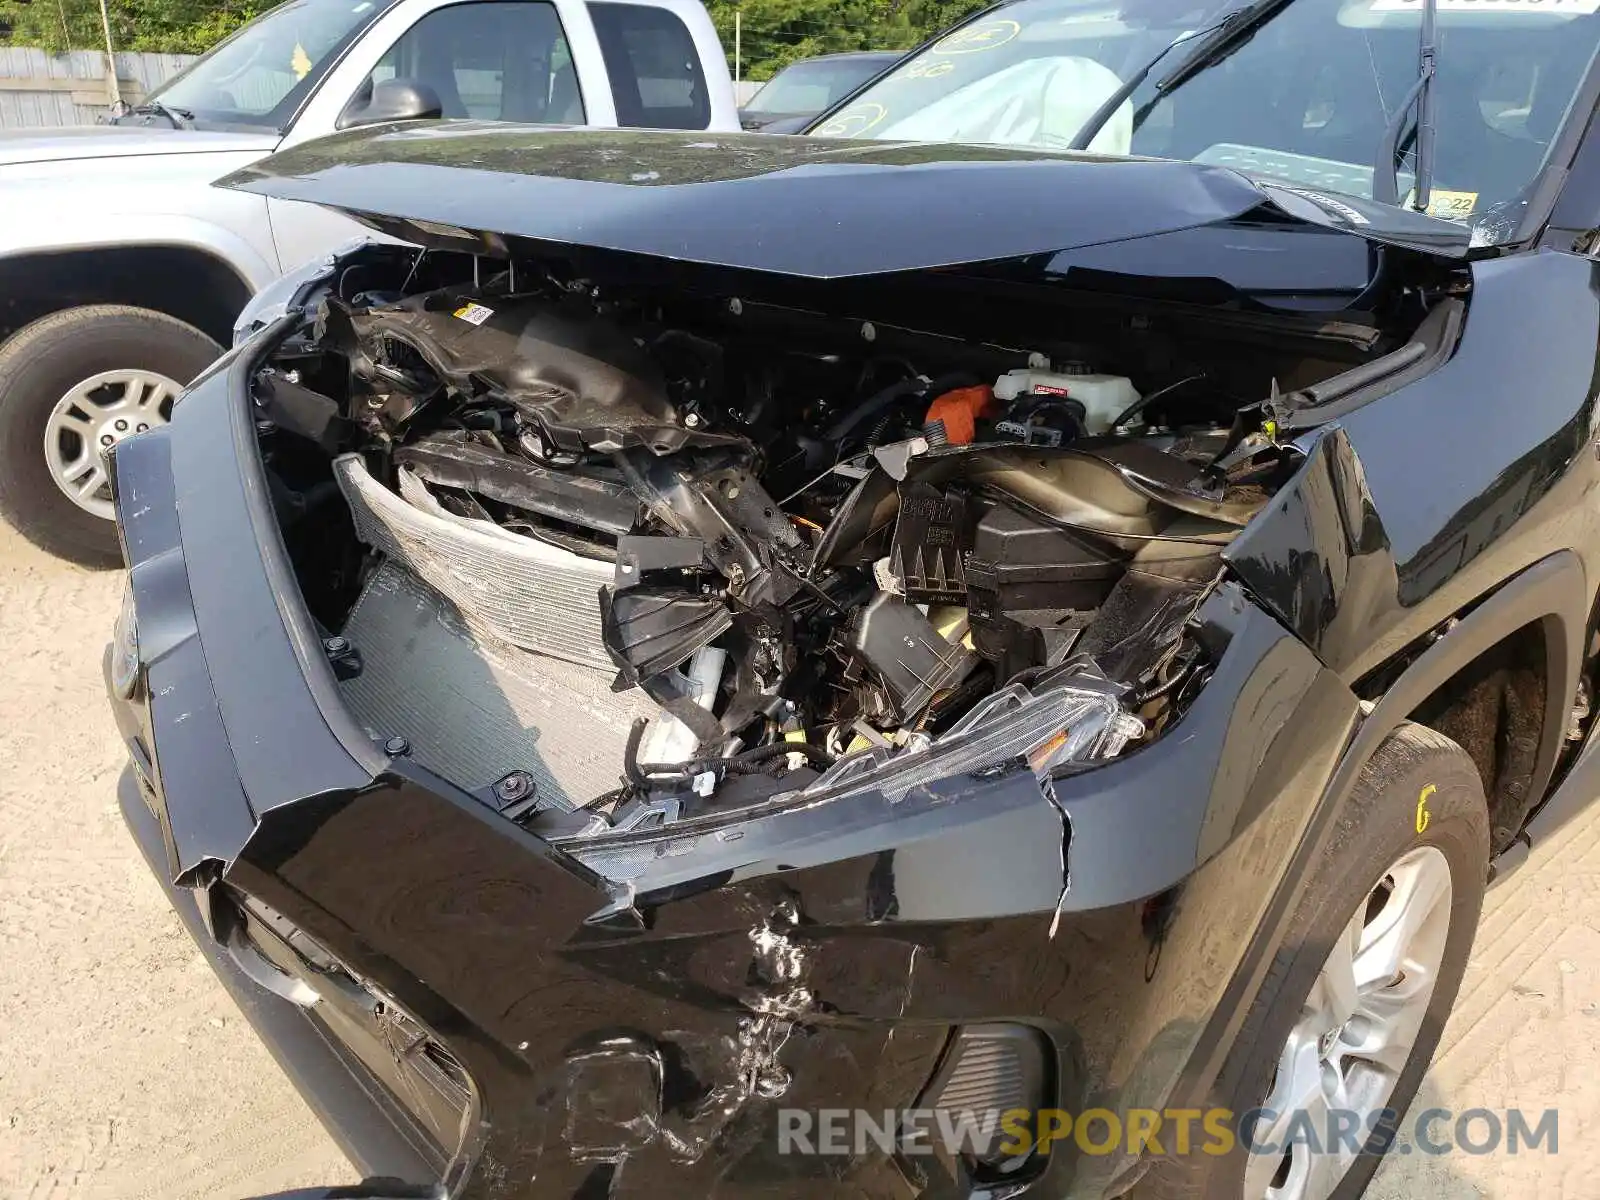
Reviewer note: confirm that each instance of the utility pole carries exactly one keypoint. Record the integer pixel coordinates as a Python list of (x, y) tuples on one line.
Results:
[(737, 31), (111, 58)]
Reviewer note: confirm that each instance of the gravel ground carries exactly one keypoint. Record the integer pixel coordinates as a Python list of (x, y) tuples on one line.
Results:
[(108, 1013)]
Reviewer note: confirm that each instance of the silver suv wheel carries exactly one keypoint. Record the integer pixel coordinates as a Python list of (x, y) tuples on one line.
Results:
[(1355, 1034), (94, 416)]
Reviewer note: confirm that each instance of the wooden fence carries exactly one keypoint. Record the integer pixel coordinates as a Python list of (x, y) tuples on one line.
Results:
[(40, 90), (56, 90)]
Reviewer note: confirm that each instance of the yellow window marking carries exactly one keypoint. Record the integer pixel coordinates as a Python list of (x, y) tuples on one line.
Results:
[(1456, 206), (854, 121), (985, 35), (927, 69), (1450, 206)]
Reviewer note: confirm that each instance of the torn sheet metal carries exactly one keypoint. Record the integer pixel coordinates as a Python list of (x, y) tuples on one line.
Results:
[(535, 596)]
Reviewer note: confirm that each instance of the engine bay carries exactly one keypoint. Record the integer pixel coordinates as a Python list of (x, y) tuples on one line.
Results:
[(832, 552)]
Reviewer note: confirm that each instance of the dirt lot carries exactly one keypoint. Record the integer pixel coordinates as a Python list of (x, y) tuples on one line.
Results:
[(125, 1071), (107, 1011)]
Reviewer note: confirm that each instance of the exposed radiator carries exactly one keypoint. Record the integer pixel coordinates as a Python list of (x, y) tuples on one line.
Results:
[(475, 709), (535, 596)]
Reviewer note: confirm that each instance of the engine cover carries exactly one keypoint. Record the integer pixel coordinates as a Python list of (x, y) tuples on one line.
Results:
[(586, 384)]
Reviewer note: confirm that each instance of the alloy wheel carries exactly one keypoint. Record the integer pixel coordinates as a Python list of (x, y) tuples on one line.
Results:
[(94, 416), (1356, 1033)]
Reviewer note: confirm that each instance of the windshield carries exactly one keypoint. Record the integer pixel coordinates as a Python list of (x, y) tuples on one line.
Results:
[(259, 77), (810, 87), (1306, 99)]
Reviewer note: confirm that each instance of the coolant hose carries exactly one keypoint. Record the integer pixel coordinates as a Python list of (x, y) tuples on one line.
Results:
[(631, 770), (847, 424)]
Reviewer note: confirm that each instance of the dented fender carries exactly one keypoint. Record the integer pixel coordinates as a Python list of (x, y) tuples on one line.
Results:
[(1387, 529)]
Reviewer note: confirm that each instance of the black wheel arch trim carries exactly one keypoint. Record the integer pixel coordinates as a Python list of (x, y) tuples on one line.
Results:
[(1551, 592)]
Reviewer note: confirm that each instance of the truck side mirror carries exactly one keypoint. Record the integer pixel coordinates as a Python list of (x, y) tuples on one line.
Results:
[(391, 100)]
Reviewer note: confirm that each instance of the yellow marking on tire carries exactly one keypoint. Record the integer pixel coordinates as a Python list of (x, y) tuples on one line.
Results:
[(1424, 817)]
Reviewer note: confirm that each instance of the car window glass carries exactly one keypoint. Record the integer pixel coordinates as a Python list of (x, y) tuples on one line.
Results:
[(656, 79), (502, 60), (260, 75), (810, 87), (1306, 98), (1325, 79)]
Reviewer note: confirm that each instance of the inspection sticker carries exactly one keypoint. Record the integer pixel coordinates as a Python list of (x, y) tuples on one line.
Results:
[(1451, 206), (474, 313)]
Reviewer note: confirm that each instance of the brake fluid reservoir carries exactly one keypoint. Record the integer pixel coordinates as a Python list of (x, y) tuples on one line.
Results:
[(1103, 397)]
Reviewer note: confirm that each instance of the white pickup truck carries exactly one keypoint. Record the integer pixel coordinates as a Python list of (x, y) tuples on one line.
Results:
[(122, 269)]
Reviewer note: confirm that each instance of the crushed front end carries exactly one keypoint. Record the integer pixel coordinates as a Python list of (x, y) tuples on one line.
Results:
[(624, 704), (621, 559)]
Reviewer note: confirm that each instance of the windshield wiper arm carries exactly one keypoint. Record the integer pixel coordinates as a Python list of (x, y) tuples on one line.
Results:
[(1222, 37), (180, 118), (1233, 31), (1386, 173)]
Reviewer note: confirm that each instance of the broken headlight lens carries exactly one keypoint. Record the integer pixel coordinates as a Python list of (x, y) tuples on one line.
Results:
[(1077, 720)]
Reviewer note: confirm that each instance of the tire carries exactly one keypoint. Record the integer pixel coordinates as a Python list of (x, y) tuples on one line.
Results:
[(1377, 830), (39, 366)]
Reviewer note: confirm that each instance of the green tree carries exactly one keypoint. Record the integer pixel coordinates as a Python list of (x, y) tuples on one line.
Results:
[(774, 32), (777, 32), (167, 26)]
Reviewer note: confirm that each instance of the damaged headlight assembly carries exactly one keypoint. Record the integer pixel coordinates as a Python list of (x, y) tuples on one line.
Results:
[(1076, 718), (1079, 719), (289, 292)]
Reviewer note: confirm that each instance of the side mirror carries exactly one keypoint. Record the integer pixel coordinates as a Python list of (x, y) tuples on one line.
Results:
[(391, 100)]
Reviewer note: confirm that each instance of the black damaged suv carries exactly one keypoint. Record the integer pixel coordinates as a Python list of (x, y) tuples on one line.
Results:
[(1061, 595)]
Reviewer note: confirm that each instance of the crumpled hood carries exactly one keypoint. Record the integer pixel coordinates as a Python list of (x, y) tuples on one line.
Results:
[(119, 141), (817, 207)]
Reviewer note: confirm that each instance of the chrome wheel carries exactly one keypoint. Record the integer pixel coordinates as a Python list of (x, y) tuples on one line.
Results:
[(1355, 1033), (90, 419)]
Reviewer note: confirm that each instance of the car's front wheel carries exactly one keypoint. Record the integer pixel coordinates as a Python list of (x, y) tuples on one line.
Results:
[(72, 385), (1350, 1014)]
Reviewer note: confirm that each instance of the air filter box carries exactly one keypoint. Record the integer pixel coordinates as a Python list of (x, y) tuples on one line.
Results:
[(1032, 586), (1018, 562)]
